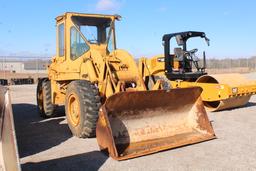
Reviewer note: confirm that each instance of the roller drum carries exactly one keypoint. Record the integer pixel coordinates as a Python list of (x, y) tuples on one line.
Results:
[(232, 80)]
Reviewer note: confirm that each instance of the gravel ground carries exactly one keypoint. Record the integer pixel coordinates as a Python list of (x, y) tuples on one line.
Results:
[(48, 144)]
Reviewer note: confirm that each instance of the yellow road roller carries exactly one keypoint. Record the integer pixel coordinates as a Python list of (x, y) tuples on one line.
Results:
[(182, 69), (104, 93)]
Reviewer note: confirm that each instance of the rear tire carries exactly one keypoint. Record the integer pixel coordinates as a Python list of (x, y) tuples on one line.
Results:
[(44, 102), (81, 107)]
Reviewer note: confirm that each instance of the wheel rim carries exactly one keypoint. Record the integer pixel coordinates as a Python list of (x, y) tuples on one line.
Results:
[(73, 109)]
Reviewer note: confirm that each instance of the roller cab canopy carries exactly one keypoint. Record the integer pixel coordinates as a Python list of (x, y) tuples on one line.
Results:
[(184, 58)]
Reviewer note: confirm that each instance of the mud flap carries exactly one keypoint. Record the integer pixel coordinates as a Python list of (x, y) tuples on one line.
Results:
[(133, 124)]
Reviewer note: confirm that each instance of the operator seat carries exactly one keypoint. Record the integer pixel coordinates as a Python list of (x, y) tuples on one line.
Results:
[(179, 53)]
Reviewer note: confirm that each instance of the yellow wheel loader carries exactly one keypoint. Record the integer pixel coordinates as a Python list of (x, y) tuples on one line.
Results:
[(104, 93), (182, 69)]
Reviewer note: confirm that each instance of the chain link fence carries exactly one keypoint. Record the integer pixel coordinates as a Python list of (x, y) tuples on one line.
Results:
[(14, 67), (239, 65)]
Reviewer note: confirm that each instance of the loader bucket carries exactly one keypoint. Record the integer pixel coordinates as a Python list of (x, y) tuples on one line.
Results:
[(245, 89), (9, 158), (133, 124)]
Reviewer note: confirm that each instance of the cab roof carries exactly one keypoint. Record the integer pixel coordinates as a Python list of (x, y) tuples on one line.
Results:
[(103, 16)]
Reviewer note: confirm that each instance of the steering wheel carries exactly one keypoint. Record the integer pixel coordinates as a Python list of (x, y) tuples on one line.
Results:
[(191, 51)]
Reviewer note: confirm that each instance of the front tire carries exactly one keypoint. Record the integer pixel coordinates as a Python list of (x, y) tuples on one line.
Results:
[(81, 107)]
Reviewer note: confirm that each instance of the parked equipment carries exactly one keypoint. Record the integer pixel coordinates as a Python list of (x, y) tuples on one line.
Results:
[(182, 69), (95, 80), (3, 82)]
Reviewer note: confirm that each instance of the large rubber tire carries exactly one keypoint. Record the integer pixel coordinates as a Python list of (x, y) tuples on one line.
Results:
[(44, 104), (81, 107)]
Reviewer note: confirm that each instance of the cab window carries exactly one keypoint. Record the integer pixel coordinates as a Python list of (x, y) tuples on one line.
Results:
[(61, 39), (91, 33), (78, 45)]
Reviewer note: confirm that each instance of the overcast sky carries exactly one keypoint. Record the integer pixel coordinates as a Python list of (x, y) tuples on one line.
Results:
[(27, 27)]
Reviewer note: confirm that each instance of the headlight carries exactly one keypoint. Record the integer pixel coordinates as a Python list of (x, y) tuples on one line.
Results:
[(160, 59)]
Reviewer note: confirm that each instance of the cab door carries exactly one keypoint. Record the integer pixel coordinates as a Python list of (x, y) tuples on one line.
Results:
[(59, 60), (78, 50), (71, 51)]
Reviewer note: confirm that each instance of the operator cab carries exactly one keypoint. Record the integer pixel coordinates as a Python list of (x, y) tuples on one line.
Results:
[(180, 64), (92, 31)]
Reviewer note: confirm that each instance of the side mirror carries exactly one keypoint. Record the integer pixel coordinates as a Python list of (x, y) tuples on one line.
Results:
[(118, 17), (207, 41)]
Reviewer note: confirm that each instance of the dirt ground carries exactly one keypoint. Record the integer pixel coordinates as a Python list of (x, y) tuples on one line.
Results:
[(47, 144)]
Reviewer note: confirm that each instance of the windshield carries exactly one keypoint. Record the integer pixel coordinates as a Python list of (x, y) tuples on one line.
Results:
[(96, 30)]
